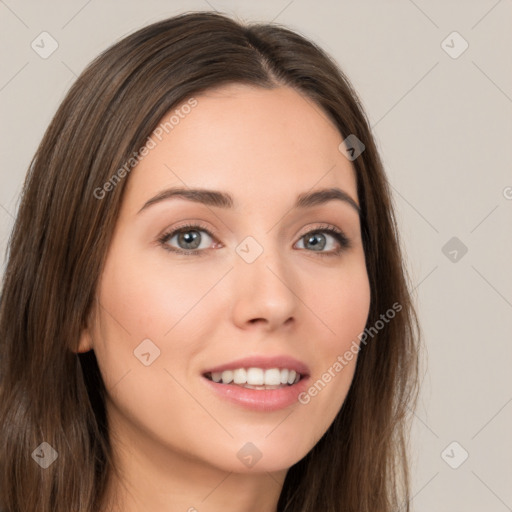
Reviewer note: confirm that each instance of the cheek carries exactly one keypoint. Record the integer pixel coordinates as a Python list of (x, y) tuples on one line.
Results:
[(156, 301), (343, 308), (129, 313), (150, 298), (341, 301), (139, 308), (353, 303)]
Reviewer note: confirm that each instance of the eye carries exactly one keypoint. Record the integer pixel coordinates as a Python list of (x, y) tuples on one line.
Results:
[(189, 239), (325, 237), (194, 239)]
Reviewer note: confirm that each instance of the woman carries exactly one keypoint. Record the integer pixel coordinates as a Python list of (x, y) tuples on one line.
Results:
[(205, 305)]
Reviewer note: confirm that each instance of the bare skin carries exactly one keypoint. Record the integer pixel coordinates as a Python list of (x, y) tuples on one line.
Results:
[(176, 441)]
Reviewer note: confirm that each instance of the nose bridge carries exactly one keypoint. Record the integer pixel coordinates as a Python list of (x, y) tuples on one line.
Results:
[(263, 287)]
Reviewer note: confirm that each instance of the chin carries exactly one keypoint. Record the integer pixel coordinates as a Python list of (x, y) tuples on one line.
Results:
[(265, 455)]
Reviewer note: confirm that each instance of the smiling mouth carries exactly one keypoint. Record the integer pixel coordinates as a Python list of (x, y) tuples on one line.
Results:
[(256, 378)]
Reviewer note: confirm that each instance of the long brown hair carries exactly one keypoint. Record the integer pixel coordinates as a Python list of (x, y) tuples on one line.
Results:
[(49, 393)]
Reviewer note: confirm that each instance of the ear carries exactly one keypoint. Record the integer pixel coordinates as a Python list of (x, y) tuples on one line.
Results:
[(85, 341)]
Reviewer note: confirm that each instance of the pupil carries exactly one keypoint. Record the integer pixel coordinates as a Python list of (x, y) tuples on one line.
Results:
[(190, 237), (311, 240)]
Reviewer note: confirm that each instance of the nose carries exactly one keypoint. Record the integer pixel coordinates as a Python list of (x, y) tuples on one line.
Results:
[(263, 291)]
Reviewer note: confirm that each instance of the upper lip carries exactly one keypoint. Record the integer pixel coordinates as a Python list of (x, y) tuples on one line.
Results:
[(265, 362)]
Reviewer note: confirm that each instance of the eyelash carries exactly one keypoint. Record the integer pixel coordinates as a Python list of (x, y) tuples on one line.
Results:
[(336, 233)]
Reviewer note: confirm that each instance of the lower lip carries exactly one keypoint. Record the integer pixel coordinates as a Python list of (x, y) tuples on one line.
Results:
[(264, 400)]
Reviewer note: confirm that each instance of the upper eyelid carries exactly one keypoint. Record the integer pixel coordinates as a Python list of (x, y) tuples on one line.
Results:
[(187, 227), (213, 232)]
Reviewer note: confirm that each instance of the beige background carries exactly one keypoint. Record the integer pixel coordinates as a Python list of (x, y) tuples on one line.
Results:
[(444, 129)]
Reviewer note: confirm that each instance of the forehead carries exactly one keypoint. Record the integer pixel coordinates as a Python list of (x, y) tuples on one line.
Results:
[(258, 144)]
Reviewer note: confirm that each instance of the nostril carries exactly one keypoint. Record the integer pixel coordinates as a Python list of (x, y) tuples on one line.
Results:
[(255, 320)]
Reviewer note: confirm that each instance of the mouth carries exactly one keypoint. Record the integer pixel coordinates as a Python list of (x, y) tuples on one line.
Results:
[(257, 383), (256, 378)]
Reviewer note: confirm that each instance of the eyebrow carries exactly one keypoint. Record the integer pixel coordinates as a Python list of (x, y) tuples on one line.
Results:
[(224, 200)]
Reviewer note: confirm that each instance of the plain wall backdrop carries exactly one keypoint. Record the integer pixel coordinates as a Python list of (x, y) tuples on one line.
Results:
[(435, 78)]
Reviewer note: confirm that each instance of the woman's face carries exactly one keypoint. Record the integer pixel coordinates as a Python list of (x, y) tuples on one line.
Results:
[(256, 278)]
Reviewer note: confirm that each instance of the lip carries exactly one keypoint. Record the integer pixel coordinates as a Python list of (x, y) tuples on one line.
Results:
[(265, 400), (264, 362)]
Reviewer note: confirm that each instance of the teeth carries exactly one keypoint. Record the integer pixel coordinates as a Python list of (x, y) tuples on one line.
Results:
[(257, 377), (227, 376), (239, 376), (272, 377)]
